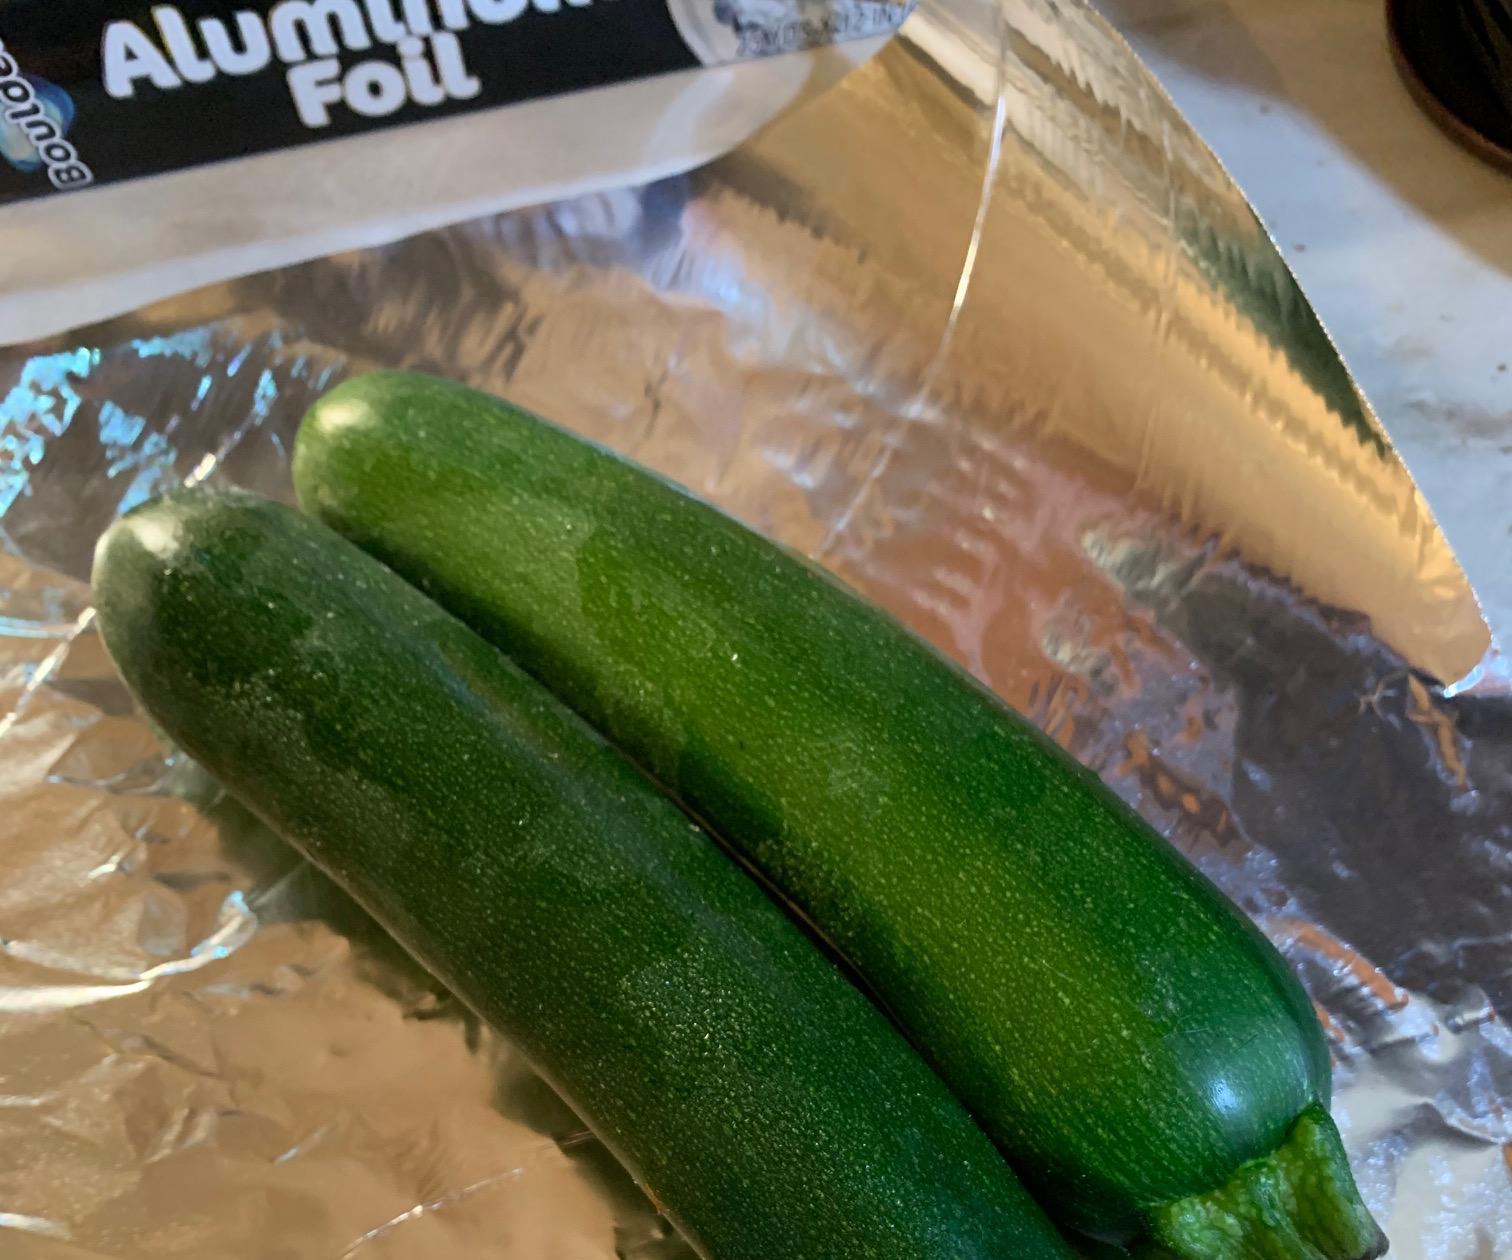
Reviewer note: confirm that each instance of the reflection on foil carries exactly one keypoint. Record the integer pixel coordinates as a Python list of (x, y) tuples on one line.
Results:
[(1053, 399)]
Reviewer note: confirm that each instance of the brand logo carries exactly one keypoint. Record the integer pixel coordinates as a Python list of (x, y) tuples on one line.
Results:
[(720, 31), (35, 117), (425, 66)]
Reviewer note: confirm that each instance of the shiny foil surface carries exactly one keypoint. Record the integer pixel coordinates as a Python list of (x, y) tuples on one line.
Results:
[(988, 331)]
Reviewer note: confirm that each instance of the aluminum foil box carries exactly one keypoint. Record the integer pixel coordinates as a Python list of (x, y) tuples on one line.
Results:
[(240, 136)]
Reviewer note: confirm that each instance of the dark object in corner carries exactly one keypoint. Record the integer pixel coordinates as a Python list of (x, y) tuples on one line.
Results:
[(1456, 58)]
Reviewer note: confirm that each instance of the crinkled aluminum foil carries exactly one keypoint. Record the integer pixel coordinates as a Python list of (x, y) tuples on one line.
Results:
[(989, 332)]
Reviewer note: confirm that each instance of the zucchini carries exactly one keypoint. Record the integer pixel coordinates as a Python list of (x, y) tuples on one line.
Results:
[(751, 1089), (1130, 1040)]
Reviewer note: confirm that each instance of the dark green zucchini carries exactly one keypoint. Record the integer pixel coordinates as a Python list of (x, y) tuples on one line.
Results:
[(758, 1096), (1129, 1039)]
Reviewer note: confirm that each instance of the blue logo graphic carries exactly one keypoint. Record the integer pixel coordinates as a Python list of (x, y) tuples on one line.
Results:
[(16, 140)]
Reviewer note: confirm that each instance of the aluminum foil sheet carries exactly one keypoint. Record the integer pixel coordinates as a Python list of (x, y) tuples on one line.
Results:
[(988, 331)]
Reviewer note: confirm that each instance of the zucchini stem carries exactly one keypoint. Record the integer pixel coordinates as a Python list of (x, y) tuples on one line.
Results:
[(1298, 1203)]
